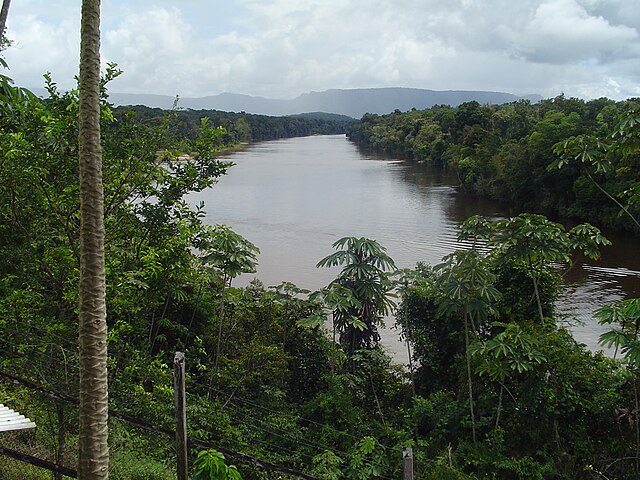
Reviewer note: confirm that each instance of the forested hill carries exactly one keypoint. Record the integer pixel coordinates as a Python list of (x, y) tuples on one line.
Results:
[(512, 152), (242, 127)]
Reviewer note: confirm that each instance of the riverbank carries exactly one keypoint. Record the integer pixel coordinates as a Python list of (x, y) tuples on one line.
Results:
[(238, 147), (527, 155)]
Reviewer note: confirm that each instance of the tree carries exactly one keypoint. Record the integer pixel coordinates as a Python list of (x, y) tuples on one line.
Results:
[(93, 432), (510, 351), (534, 243), (4, 13), (466, 284), (602, 154), (365, 276), (626, 315), (231, 254), (153, 234)]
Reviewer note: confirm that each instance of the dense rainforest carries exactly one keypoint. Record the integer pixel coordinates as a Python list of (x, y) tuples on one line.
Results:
[(240, 127), (495, 389), (512, 152)]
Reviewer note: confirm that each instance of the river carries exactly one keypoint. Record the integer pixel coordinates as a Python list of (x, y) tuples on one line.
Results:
[(293, 198)]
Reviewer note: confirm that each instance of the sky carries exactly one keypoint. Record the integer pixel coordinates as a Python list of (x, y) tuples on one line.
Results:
[(283, 48)]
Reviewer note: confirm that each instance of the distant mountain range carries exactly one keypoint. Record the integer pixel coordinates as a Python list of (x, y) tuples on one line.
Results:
[(352, 102)]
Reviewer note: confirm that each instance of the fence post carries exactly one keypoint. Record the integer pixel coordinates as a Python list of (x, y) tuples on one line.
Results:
[(181, 415), (407, 455)]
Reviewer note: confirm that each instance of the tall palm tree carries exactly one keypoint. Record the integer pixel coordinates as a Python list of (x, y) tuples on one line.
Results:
[(93, 450), (4, 13)]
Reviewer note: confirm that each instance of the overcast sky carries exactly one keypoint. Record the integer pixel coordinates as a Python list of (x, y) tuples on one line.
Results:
[(282, 48)]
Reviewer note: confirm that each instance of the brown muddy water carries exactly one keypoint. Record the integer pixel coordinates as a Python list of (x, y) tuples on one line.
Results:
[(293, 198)]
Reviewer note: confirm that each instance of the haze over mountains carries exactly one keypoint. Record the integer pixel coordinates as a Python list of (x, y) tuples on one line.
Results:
[(353, 102)]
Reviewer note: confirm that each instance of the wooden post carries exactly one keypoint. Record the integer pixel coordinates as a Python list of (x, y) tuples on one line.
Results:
[(181, 415), (407, 454)]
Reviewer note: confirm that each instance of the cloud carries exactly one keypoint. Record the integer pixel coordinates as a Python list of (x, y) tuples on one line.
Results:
[(282, 48), (42, 46), (564, 31), (150, 46)]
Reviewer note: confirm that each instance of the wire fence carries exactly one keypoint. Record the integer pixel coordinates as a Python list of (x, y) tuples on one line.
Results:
[(53, 371)]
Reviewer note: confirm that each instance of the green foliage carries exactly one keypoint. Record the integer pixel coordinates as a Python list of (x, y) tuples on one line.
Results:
[(362, 295), (536, 392), (512, 350), (15, 470), (625, 315), (366, 461), (238, 127), (444, 472), (586, 149), (229, 252), (327, 466), (130, 466), (338, 299), (537, 157), (608, 153), (437, 419), (531, 243), (210, 465), (280, 389), (466, 283)]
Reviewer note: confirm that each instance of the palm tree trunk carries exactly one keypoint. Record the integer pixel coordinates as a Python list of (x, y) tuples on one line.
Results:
[(4, 13), (93, 454)]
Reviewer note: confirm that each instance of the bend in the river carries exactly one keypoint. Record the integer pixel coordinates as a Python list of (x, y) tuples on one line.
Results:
[(293, 198)]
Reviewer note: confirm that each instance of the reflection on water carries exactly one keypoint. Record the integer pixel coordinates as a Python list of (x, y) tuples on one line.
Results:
[(293, 198)]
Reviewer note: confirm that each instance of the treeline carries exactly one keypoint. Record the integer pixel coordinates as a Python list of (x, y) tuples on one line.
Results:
[(240, 127), (509, 152)]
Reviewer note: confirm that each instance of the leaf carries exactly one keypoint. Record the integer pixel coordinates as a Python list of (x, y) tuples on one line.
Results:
[(614, 338), (312, 321), (356, 323), (233, 473), (609, 314), (367, 445)]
